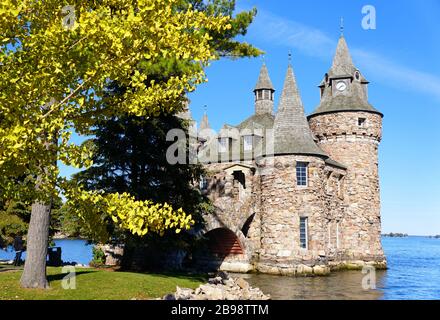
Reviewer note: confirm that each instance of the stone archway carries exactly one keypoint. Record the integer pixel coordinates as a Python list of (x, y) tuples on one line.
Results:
[(223, 242)]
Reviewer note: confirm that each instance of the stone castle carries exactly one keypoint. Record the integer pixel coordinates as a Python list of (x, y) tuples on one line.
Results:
[(309, 205)]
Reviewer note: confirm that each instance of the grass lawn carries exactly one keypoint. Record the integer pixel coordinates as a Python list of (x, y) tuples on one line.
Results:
[(97, 284)]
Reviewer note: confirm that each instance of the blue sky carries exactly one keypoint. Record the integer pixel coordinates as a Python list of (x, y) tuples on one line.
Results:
[(400, 59)]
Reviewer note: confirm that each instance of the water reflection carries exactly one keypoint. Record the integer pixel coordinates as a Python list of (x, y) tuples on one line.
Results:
[(344, 285)]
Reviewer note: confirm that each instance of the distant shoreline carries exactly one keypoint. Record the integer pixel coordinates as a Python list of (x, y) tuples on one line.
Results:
[(405, 235)]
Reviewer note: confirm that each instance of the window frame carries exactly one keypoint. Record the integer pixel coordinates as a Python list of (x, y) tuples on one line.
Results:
[(251, 137), (223, 148), (304, 178), (304, 233)]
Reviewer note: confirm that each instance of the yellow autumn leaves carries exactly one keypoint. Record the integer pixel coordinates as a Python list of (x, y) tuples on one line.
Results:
[(42, 61), (139, 217)]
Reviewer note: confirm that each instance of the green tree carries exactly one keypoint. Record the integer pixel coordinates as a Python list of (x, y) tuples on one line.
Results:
[(130, 153), (14, 220), (56, 63)]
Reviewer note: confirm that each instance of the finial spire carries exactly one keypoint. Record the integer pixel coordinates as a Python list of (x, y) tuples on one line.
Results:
[(290, 57), (342, 26), (205, 109)]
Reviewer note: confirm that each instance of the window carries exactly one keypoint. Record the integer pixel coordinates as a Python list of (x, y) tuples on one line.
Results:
[(247, 143), (223, 144), (362, 122), (301, 174), (259, 94), (303, 232), (203, 183)]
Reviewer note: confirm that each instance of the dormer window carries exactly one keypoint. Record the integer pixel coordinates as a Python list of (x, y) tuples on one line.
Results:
[(248, 143), (223, 145)]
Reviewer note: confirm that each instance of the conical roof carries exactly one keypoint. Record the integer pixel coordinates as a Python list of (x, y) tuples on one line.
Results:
[(356, 98), (292, 131), (204, 124), (342, 61), (264, 79)]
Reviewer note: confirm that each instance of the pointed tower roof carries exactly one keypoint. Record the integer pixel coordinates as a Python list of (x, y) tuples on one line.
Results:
[(342, 61), (204, 124), (292, 131), (354, 99), (264, 79)]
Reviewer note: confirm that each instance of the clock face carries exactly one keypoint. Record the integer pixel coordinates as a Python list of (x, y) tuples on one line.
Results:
[(341, 86)]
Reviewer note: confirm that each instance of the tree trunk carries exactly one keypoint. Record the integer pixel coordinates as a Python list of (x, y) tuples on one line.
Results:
[(34, 274)]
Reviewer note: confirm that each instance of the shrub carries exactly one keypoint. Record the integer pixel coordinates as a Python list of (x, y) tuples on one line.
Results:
[(98, 257)]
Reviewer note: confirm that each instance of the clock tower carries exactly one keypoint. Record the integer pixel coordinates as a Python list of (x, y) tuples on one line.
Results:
[(349, 129)]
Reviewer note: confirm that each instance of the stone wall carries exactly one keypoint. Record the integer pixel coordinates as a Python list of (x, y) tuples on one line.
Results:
[(235, 205), (355, 146), (282, 205), (263, 106), (342, 205)]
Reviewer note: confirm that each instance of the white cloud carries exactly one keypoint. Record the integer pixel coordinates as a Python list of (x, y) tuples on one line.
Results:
[(278, 30), (312, 41), (386, 71)]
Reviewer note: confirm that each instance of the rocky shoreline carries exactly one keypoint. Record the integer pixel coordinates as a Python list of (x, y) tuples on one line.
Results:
[(221, 287)]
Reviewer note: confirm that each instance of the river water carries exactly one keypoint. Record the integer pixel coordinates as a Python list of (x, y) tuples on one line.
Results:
[(414, 273)]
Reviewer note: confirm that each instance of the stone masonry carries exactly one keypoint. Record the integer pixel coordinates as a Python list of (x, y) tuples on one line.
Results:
[(311, 204)]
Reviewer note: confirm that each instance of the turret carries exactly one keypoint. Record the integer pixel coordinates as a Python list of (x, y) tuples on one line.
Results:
[(349, 129), (264, 93), (292, 203)]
